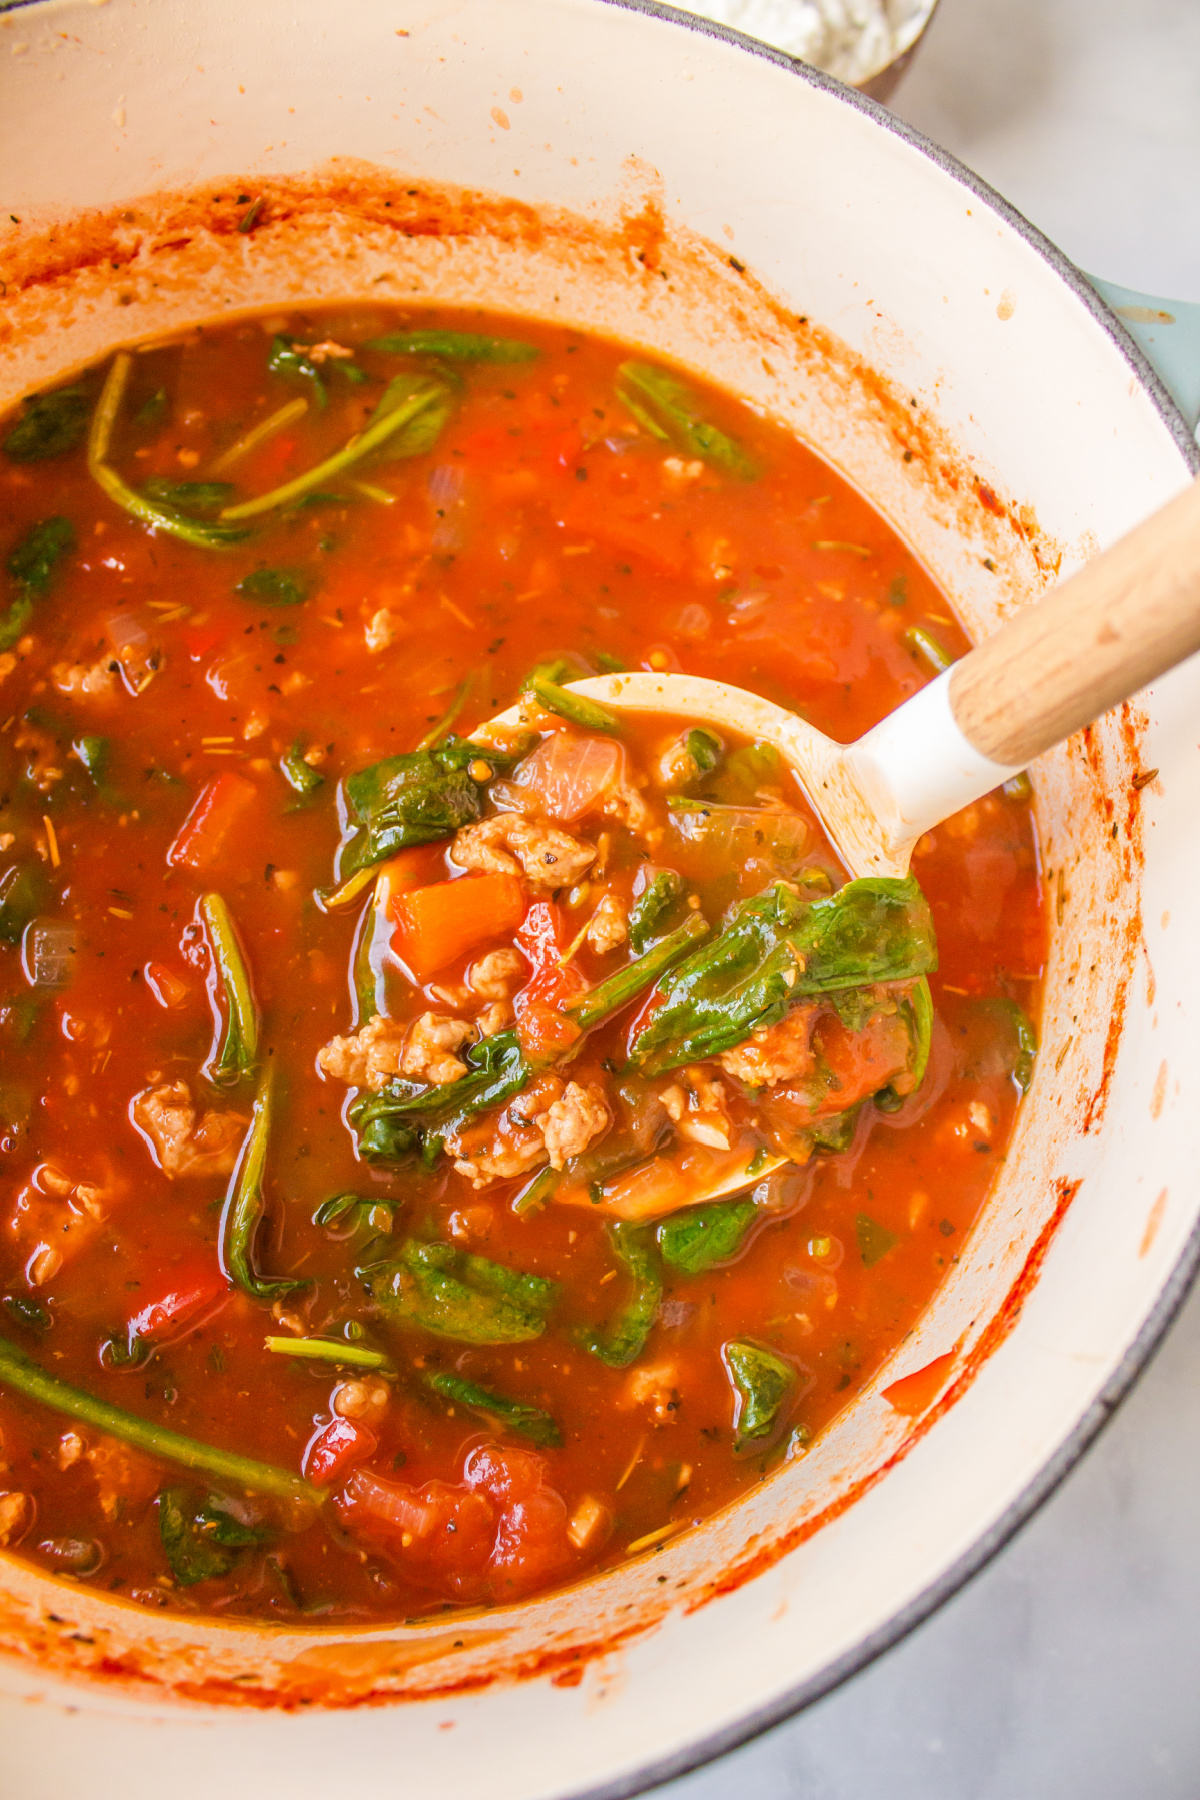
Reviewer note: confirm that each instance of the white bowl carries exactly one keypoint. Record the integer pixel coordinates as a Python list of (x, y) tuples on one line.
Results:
[(711, 201)]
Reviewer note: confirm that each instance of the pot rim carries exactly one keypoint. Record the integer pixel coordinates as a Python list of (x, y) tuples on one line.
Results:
[(661, 1769)]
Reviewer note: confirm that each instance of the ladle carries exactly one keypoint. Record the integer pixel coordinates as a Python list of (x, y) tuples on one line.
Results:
[(1129, 615)]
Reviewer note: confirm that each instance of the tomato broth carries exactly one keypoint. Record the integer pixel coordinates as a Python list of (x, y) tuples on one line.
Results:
[(365, 1078)]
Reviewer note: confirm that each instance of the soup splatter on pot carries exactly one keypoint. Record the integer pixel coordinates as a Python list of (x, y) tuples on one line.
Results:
[(366, 1080)]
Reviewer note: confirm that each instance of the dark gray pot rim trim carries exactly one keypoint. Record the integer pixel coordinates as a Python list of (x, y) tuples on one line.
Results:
[(1177, 1286)]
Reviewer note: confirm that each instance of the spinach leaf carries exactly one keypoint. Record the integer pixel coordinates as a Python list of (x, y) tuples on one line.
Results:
[(300, 775), (414, 798), (23, 892), (745, 771), (275, 587), (201, 1541), (704, 750), (31, 1315), (289, 360), (624, 1338), (93, 753), (531, 1421), (386, 1138), (1025, 1044), (652, 907), (874, 1240), (219, 1525), (671, 409), (468, 1298), (153, 408), (353, 1211), (195, 499), (917, 1012), (192, 1554), (14, 622), (702, 1236), (406, 1115), (32, 565), (455, 346), (777, 949), (835, 1132), (423, 430), (52, 425), (762, 1384)]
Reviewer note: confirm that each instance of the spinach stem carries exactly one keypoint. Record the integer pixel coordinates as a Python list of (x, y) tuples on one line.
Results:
[(259, 434), (243, 1209), (618, 989), (576, 707), (238, 1049), (448, 718), (333, 1350), (427, 394), (19, 1372), (206, 536)]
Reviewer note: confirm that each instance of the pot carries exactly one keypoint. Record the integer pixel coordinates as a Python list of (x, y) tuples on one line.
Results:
[(657, 178)]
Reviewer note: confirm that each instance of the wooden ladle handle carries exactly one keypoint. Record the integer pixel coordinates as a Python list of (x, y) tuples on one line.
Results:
[(1129, 615)]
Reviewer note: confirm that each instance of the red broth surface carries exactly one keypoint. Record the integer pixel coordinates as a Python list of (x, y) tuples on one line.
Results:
[(178, 719)]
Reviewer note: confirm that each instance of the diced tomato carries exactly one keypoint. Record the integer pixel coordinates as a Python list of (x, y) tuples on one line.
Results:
[(436, 925), (531, 1543), (542, 1025), (335, 1449), (203, 834), (182, 1297), (500, 1534), (198, 640), (441, 1535), (542, 934)]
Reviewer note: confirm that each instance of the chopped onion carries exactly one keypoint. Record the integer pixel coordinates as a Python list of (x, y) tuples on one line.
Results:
[(564, 777), (741, 835), (47, 953)]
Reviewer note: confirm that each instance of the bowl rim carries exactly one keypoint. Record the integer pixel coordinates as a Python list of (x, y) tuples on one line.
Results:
[(1175, 1289), (659, 1770)]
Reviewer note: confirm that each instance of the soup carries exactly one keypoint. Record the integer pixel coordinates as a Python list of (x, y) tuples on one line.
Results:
[(444, 1157)]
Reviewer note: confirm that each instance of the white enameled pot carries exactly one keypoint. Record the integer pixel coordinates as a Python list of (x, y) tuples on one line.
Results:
[(637, 172)]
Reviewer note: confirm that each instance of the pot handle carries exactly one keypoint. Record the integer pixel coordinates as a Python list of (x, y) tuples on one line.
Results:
[(1168, 333)]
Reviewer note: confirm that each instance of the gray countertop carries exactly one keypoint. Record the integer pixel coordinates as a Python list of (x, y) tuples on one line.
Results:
[(1068, 1669)]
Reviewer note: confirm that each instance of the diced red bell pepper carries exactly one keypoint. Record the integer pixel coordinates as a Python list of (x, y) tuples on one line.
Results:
[(204, 832), (336, 1448), (181, 1298), (437, 925)]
